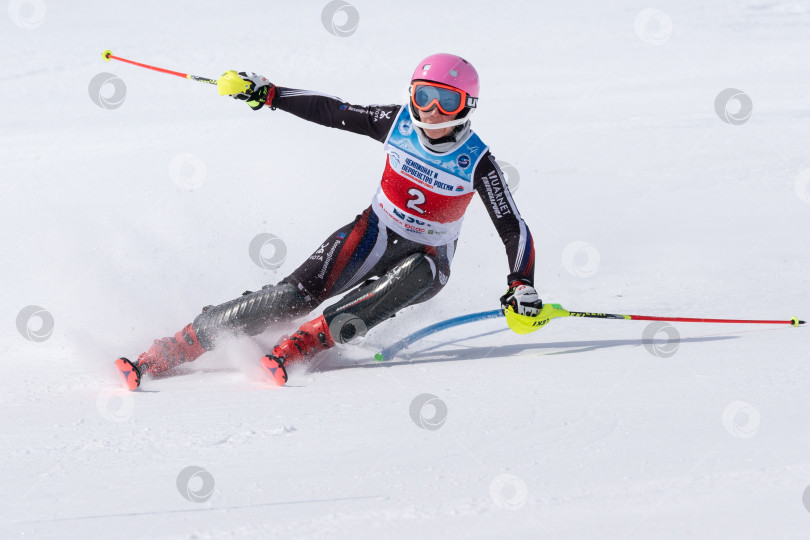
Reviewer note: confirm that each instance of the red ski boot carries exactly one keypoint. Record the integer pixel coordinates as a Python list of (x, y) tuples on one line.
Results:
[(163, 355), (312, 338), (132, 377)]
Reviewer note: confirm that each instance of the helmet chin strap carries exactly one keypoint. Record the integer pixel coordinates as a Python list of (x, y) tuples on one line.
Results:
[(448, 143), (442, 125)]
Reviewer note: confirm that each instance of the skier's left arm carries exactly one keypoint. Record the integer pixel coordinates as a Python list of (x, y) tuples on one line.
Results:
[(514, 232)]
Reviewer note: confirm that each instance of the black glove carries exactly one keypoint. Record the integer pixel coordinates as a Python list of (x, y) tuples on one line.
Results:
[(260, 91)]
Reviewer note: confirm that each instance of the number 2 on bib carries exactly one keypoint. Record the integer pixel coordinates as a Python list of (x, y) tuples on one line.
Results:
[(418, 198)]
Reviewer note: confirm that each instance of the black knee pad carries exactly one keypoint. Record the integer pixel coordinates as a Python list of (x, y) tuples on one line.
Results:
[(379, 300), (251, 313)]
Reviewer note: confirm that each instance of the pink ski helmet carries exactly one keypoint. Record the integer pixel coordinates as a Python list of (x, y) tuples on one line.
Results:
[(450, 70)]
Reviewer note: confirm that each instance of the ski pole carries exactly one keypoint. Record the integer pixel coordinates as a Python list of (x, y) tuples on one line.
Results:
[(793, 321), (389, 352), (551, 311), (108, 55), (228, 84)]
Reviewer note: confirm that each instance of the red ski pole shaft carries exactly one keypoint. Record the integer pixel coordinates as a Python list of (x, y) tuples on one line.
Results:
[(793, 321), (108, 55)]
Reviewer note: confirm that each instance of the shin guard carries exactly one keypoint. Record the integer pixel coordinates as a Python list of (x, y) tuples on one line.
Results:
[(379, 300), (251, 313)]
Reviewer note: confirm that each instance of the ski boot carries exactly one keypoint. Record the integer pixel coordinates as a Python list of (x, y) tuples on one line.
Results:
[(312, 338), (132, 376), (163, 355)]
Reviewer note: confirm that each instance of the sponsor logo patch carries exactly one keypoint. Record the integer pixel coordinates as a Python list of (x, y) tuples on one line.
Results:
[(379, 114), (496, 194), (463, 161), (326, 262)]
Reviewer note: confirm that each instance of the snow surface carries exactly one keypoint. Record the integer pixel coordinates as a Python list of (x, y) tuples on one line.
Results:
[(640, 199)]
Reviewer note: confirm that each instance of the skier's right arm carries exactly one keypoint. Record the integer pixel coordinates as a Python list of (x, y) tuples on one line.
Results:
[(374, 121)]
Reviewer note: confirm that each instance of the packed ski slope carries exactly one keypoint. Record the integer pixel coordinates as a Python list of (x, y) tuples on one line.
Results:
[(129, 204)]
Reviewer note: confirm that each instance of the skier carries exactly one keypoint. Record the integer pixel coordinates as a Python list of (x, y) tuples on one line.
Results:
[(398, 251)]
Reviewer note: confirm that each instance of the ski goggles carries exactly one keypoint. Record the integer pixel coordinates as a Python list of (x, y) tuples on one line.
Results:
[(424, 95)]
